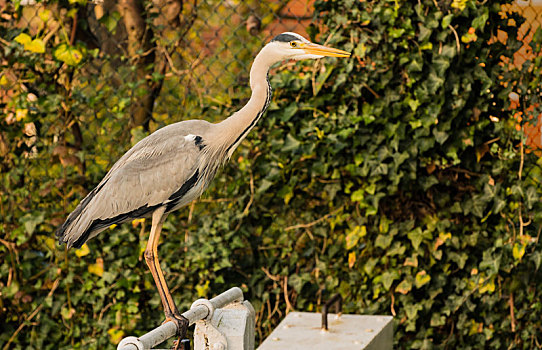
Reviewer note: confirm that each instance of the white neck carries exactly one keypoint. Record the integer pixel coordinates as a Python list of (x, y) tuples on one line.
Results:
[(234, 129)]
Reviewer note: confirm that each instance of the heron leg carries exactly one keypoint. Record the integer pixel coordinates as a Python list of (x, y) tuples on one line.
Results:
[(151, 257)]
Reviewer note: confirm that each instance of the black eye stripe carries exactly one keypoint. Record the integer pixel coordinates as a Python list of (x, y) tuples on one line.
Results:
[(285, 38)]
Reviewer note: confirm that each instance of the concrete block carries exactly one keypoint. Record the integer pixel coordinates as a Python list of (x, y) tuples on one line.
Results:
[(301, 331)]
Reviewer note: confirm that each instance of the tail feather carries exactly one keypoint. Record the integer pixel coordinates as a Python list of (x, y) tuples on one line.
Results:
[(84, 223), (70, 231), (98, 225), (65, 232)]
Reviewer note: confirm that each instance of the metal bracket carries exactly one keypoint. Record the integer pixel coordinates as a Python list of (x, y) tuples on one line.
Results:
[(208, 337), (228, 328)]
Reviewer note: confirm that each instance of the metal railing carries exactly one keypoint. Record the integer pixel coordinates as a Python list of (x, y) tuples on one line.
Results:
[(200, 309)]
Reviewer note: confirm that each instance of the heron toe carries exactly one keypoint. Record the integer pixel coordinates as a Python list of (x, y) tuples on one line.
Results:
[(181, 322)]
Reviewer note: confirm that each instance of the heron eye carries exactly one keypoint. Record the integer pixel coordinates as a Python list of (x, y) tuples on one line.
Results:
[(293, 44)]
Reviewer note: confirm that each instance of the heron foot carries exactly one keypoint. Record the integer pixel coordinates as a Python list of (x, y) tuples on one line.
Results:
[(182, 324)]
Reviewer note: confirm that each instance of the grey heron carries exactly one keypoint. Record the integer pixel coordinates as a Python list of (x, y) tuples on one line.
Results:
[(174, 165)]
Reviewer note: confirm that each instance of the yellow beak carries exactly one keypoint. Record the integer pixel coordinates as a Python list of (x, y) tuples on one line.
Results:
[(321, 50)]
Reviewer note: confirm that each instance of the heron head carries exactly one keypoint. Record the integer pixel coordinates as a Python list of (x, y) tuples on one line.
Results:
[(290, 45)]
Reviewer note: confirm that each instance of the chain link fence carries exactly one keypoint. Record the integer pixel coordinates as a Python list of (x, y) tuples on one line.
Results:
[(165, 53), (186, 53), (215, 55)]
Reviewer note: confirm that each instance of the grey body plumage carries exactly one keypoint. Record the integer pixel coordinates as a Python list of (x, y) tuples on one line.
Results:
[(168, 168)]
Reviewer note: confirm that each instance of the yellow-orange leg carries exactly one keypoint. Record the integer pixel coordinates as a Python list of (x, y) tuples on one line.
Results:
[(151, 257)]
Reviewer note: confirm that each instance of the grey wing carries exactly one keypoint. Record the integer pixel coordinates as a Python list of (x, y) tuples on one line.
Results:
[(157, 171)]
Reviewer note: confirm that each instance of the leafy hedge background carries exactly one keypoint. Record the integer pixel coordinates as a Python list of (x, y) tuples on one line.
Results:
[(399, 178)]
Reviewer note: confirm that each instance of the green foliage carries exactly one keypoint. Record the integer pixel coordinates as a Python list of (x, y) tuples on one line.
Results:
[(414, 142), (396, 177)]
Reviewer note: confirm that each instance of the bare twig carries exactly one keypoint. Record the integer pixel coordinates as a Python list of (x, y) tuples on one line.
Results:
[(268, 274), (456, 38), (103, 311), (286, 298), (392, 305), (520, 173), (14, 260), (371, 90), (522, 158), (513, 228), (464, 171), (74, 29), (188, 221), (5, 42), (277, 303), (215, 200), (251, 182), (294, 227), (171, 65), (31, 316), (512, 317)]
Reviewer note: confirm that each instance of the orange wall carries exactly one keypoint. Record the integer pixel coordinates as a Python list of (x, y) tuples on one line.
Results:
[(533, 15)]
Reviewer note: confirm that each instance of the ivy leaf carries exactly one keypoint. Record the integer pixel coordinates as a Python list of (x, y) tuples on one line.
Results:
[(447, 20), (115, 334), (290, 144), (36, 46), (4, 81), (531, 196), (353, 237), (404, 287), (357, 195), (351, 259), (416, 237), (480, 21), (388, 277), (23, 39), (68, 54), (383, 241), (537, 258), (202, 289), (289, 112), (83, 251), (459, 4), (20, 114), (486, 286), (44, 14), (31, 221), (422, 278), (67, 313), (97, 268), (470, 36), (518, 251)]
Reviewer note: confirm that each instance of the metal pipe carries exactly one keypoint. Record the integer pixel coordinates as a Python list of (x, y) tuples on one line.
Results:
[(337, 299), (167, 330)]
